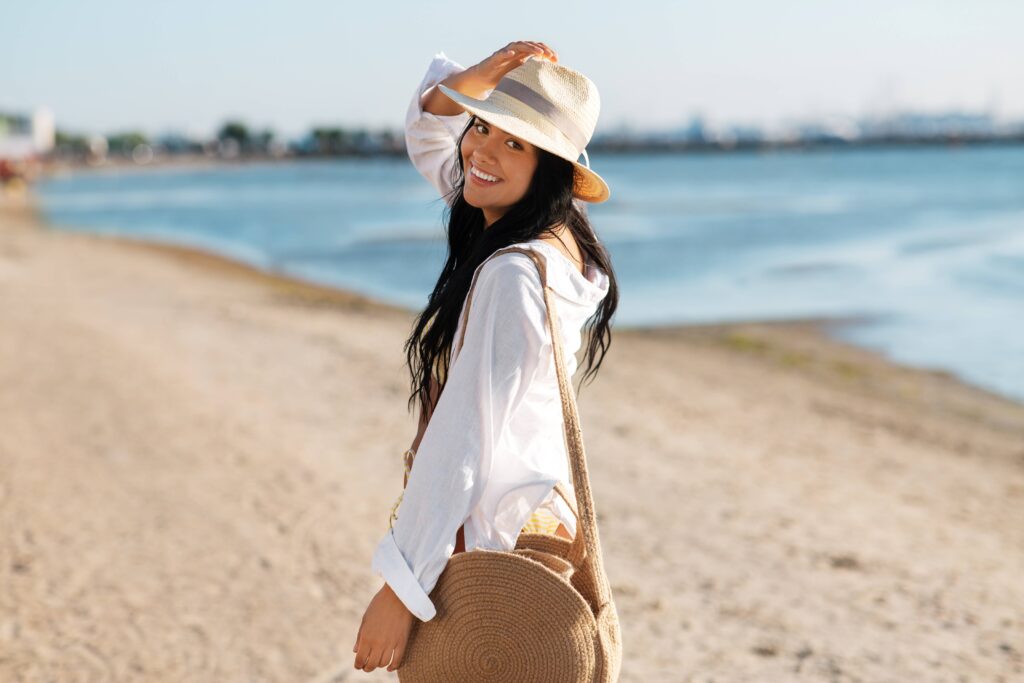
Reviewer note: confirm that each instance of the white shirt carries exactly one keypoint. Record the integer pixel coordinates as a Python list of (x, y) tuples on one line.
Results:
[(494, 446)]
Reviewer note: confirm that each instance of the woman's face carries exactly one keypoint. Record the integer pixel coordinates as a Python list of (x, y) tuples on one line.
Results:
[(499, 155)]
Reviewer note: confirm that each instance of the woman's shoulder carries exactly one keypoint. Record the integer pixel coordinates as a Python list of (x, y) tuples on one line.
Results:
[(511, 268)]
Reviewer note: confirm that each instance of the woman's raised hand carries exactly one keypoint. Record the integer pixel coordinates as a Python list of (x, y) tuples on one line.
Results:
[(479, 78), (500, 62)]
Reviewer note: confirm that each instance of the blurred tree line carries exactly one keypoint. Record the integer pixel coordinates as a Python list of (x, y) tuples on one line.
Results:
[(234, 139)]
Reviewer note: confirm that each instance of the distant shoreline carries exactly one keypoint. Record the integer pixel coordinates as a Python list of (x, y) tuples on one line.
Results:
[(53, 168)]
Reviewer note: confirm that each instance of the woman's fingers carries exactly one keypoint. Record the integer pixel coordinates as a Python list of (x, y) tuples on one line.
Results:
[(369, 661), (545, 50), (396, 659), (375, 657), (521, 50), (501, 61), (360, 659)]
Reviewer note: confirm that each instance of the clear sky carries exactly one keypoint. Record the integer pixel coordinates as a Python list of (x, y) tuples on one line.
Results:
[(154, 65)]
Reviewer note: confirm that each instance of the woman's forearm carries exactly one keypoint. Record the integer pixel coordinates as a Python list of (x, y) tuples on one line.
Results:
[(466, 82)]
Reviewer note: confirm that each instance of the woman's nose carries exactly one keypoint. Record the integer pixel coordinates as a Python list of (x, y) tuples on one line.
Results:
[(489, 148), (484, 156)]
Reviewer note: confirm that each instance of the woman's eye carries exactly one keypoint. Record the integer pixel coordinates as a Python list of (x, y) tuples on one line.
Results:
[(482, 129)]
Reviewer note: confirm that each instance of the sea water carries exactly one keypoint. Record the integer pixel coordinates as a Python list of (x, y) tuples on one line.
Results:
[(922, 247)]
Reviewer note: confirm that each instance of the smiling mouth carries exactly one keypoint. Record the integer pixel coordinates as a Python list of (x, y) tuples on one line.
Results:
[(485, 178)]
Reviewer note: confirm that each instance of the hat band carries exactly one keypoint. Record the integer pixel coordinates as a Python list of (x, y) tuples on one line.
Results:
[(545, 107)]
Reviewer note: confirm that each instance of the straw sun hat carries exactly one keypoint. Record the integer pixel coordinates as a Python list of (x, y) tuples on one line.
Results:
[(550, 106)]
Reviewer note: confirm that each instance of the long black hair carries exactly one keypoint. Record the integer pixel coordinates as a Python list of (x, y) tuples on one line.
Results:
[(547, 202)]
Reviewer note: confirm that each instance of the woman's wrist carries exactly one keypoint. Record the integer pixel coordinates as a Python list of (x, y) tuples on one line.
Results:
[(468, 82), (393, 597), (471, 82)]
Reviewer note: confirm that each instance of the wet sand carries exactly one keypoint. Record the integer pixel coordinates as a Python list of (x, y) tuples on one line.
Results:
[(197, 460)]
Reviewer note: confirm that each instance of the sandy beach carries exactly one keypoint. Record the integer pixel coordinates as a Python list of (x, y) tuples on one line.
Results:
[(197, 460)]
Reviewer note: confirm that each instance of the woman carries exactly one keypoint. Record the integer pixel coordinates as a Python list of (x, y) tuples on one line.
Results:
[(490, 446)]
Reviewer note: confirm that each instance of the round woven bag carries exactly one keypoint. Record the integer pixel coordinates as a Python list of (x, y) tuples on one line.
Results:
[(540, 613)]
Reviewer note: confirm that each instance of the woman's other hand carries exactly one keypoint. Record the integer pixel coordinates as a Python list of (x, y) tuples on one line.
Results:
[(383, 632)]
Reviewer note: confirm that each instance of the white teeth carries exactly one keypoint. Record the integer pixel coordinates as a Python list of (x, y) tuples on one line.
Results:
[(480, 174)]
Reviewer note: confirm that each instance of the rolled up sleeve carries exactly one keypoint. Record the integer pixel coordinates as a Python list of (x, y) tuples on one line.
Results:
[(390, 564), (431, 140), (506, 337)]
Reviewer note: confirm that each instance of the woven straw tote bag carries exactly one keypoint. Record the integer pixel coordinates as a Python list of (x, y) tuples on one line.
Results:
[(540, 613)]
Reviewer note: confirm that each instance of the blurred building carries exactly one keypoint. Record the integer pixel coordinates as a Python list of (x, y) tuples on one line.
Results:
[(24, 139)]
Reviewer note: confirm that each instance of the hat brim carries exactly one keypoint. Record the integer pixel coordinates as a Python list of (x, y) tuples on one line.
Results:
[(587, 185)]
